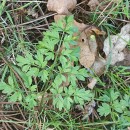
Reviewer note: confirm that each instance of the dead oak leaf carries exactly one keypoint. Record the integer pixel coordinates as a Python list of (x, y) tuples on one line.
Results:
[(87, 58), (88, 46), (61, 6)]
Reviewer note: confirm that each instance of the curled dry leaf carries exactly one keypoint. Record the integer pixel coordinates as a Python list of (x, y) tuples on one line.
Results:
[(88, 46), (92, 83), (89, 56), (61, 6), (99, 66), (115, 44), (93, 4), (126, 61)]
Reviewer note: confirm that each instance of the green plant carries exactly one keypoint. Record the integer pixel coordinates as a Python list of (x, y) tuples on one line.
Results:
[(53, 65), (113, 104)]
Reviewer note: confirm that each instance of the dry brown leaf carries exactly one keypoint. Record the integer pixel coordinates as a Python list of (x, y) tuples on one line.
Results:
[(97, 31), (101, 4), (88, 46), (126, 61), (125, 29), (80, 26), (61, 6), (99, 66), (87, 58), (92, 83), (93, 4), (58, 17), (115, 44)]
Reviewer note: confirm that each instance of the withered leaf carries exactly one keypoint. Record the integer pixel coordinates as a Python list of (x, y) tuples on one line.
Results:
[(87, 58), (126, 61), (99, 66), (61, 6), (92, 83), (115, 44), (93, 4)]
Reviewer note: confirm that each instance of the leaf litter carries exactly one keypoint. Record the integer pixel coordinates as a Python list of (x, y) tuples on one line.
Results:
[(61, 6), (90, 57), (113, 46)]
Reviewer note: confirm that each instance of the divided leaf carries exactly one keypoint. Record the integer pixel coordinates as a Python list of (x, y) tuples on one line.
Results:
[(104, 110)]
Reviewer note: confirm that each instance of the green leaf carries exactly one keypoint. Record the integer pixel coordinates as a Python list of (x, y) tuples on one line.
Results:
[(25, 68), (68, 102), (117, 106), (105, 98), (54, 91), (63, 60), (104, 110), (66, 52), (78, 100), (57, 81), (21, 60), (127, 100), (80, 77), (114, 95), (72, 79), (59, 102), (30, 99), (7, 90), (33, 88), (69, 19), (3, 85), (123, 104), (83, 72), (29, 57), (69, 91), (49, 56), (63, 78), (10, 81), (27, 79), (44, 75), (33, 72), (14, 97)]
